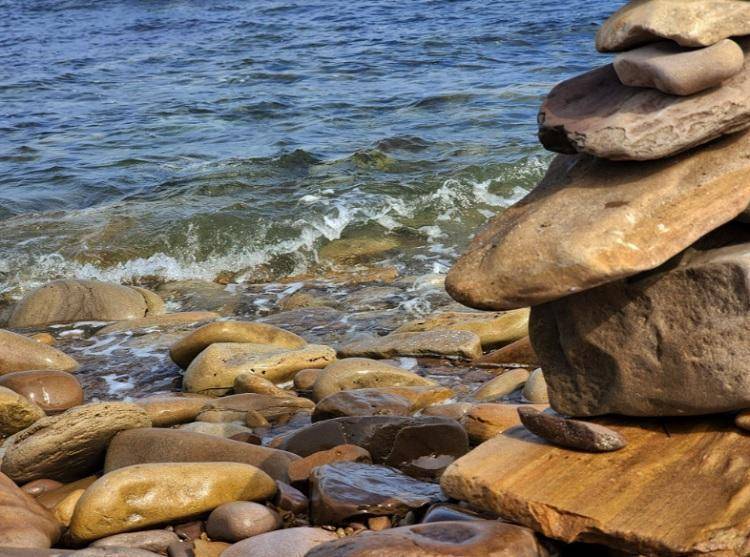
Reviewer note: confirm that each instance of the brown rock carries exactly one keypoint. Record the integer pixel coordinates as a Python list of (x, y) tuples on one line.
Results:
[(359, 373), (478, 538), (647, 213), (291, 542), (347, 490), (450, 344), (251, 383), (16, 412), (629, 499), (361, 402), (63, 511), (671, 342), (238, 520), (44, 338), (304, 379), (502, 385), (149, 540), (53, 391), (139, 496), (140, 446), (154, 304), (290, 499), (20, 353), (50, 499), (245, 332), (38, 487), (742, 420), (214, 370), (225, 430), (419, 446), (572, 434), (67, 301), (519, 352), (454, 410), (170, 409), (687, 22), (419, 396), (23, 521), (70, 445), (205, 548), (177, 320), (678, 71), (272, 408), (484, 421), (494, 329), (378, 523), (300, 470)]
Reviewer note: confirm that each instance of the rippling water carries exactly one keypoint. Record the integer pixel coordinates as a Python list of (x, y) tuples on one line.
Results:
[(187, 138)]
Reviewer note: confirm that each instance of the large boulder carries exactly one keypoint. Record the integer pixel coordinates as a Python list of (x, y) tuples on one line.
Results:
[(679, 488), (143, 495), (70, 445), (21, 353), (671, 342), (23, 521), (595, 113), (150, 445), (67, 301), (636, 217), (687, 22)]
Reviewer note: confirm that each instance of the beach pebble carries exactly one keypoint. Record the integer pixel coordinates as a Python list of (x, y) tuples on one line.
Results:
[(70, 445), (502, 385), (290, 542), (443, 512), (454, 410), (16, 412), (290, 499), (742, 420), (300, 470), (456, 344), (20, 353), (166, 410), (63, 511), (304, 379), (572, 434), (361, 402), (114, 503), (273, 408), (252, 383), (44, 338), (238, 520), (37, 487), (53, 391), (149, 540), (50, 499), (218, 429), (535, 388)]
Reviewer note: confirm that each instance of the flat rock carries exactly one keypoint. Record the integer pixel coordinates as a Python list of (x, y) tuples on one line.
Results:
[(571, 434), (68, 301), (595, 113), (519, 352), (670, 342), (494, 329), (70, 445), (23, 521), (347, 490), (477, 538), (148, 540), (419, 446), (21, 353), (629, 499), (300, 470), (215, 369), (648, 213), (679, 71), (166, 410), (290, 542), (53, 391), (167, 321), (687, 22), (484, 421), (16, 412), (143, 495), (238, 520), (151, 445), (359, 373), (184, 351), (450, 344)]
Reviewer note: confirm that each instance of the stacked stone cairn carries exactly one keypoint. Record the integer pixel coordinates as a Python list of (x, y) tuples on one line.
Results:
[(634, 255)]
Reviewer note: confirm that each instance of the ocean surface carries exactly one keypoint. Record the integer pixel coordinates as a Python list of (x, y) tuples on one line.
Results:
[(183, 139)]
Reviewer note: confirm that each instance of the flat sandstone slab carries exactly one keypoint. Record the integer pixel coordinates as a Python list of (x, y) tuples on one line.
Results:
[(636, 217), (595, 113), (678, 488)]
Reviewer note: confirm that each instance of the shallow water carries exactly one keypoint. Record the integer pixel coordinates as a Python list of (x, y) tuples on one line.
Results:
[(185, 138)]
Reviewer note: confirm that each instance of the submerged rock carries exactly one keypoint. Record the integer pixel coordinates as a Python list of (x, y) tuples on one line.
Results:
[(23, 521), (21, 353), (458, 344), (648, 213), (167, 321)]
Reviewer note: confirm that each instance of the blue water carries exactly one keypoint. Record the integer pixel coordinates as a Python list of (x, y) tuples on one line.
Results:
[(186, 138)]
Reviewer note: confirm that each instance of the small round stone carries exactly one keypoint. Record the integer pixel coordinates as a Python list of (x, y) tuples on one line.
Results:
[(241, 519)]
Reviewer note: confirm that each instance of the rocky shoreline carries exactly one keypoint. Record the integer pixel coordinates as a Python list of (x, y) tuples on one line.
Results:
[(594, 401)]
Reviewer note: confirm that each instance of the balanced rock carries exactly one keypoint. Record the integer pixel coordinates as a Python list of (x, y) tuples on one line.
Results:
[(595, 113), (573, 434), (300, 470), (21, 353), (53, 391), (238, 520), (290, 542), (16, 412), (476, 538), (215, 369), (165, 410), (23, 521), (139, 496), (419, 446), (153, 445), (346, 490), (361, 402), (647, 213), (185, 351), (677, 71), (67, 301), (690, 23), (449, 344), (670, 342), (631, 499), (359, 373), (70, 445)]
